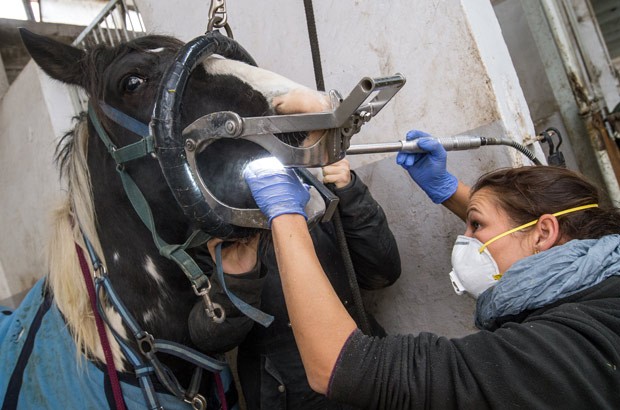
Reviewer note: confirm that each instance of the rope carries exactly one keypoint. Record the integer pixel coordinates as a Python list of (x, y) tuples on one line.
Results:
[(362, 318), (351, 276), (314, 45)]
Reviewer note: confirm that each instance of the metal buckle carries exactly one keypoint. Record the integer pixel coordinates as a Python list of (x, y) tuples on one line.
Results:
[(210, 307), (145, 344)]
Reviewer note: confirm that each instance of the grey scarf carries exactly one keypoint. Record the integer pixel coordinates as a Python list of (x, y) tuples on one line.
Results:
[(544, 278)]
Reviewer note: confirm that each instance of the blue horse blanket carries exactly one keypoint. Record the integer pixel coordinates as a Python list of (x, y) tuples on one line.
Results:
[(39, 368)]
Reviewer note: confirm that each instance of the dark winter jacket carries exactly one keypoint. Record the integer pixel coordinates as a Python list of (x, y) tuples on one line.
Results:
[(269, 366), (563, 355)]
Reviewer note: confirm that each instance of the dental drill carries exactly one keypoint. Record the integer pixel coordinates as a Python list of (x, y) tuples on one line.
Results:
[(454, 143)]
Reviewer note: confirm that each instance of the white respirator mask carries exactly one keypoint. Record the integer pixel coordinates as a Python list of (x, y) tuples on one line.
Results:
[(473, 271), (473, 268)]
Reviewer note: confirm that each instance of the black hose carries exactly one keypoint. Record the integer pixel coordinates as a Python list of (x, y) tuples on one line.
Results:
[(513, 144)]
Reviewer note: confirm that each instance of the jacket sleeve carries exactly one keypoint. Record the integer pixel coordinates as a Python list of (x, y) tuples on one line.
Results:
[(221, 337), (562, 360), (371, 243)]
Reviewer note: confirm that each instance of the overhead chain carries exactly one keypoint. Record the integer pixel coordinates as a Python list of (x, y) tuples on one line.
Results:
[(218, 18)]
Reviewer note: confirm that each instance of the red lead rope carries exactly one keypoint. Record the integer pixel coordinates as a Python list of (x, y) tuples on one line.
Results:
[(103, 337)]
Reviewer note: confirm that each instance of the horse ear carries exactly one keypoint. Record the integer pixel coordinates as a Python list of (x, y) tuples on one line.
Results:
[(60, 61)]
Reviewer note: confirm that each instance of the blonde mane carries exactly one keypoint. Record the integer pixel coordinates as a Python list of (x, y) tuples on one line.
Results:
[(65, 277)]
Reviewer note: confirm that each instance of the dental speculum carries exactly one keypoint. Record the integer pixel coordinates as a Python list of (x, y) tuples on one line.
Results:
[(364, 102)]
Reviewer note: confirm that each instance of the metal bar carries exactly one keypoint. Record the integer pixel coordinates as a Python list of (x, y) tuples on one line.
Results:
[(128, 17), (95, 36), (133, 29), (101, 33), (116, 27), (28, 10), (276, 124), (140, 21), (96, 21), (377, 148), (453, 143), (124, 15), (107, 27)]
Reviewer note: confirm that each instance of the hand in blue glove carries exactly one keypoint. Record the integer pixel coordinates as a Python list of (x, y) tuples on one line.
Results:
[(428, 169), (276, 190)]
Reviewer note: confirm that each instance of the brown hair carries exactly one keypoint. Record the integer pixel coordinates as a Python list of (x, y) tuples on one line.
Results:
[(526, 193)]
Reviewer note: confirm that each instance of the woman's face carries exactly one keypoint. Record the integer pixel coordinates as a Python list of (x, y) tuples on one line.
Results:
[(486, 220)]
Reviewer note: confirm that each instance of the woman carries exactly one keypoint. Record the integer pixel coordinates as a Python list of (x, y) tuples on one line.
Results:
[(548, 297)]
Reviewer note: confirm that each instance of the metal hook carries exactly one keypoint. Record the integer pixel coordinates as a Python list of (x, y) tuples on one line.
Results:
[(211, 308), (198, 402)]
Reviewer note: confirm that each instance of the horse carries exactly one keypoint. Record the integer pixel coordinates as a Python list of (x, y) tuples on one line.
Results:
[(97, 218)]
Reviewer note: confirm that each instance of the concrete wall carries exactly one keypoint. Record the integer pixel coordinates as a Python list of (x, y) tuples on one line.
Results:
[(4, 82), (459, 79), (34, 112)]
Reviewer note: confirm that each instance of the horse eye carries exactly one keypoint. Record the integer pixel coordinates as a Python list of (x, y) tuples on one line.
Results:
[(132, 83)]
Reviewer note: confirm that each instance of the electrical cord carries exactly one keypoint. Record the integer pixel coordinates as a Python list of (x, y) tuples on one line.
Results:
[(521, 148)]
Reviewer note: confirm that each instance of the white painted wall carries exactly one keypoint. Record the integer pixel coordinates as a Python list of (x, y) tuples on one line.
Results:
[(79, 12), (34, 112), (4, 82), (459, 79)]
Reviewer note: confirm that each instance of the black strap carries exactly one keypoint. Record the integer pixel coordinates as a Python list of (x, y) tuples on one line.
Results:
[(11, 397), (362, 318), (314, 46)]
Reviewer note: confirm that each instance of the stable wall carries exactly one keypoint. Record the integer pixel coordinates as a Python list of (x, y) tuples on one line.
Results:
[(34, 112), (4, 82), (460, 79)]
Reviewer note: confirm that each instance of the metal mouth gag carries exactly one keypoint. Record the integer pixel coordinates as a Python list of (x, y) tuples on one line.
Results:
[(179, 151), (339, 125)]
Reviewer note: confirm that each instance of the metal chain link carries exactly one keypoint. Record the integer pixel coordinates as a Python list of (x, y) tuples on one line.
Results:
[(218, 17)]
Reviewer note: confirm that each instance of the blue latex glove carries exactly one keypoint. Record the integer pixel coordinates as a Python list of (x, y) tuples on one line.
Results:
[(276, 190), (428, 169)]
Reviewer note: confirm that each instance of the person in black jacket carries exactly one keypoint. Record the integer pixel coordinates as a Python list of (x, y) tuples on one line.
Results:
[(541, 254), (268, 362), (269, 366)]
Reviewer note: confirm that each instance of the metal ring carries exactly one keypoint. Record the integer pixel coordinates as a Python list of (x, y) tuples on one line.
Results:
[(199, 402), (216, 23), (222, 316), (145, 344)]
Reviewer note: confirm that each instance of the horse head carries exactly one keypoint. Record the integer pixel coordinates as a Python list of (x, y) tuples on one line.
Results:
[(127, 78)]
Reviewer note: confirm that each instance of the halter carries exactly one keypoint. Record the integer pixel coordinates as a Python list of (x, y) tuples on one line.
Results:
[(147, 344), (177, 253)]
